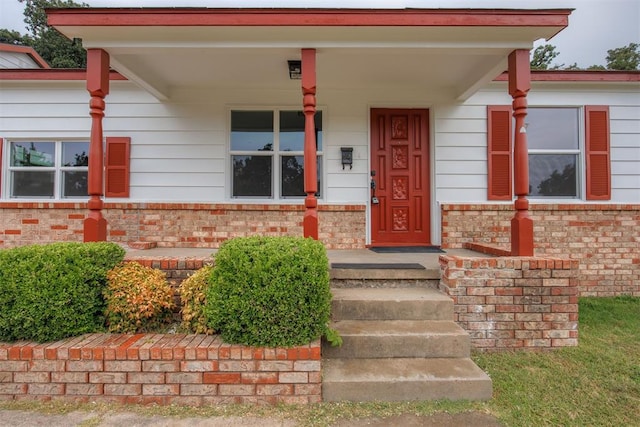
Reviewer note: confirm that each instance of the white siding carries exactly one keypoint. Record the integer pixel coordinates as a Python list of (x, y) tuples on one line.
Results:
[(460, 137), (180, 147)]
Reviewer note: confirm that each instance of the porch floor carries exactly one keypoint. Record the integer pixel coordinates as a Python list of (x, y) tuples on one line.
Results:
[(428, 260)]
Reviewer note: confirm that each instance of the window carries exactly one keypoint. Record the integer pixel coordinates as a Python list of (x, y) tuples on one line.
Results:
[(553, 137), (568, 157), (48, 169), (267, 153)]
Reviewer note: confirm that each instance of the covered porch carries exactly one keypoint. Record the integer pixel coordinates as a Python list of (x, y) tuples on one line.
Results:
[(441, 55)]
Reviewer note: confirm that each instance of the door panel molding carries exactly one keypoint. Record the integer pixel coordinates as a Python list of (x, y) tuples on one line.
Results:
[(400, 159)]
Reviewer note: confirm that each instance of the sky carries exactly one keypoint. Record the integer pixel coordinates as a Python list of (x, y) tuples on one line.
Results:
[(595, 26)]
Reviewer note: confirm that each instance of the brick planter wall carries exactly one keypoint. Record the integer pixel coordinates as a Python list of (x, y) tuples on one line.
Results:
[(513, 302), (604, 238), (164, 369), (190, 225)]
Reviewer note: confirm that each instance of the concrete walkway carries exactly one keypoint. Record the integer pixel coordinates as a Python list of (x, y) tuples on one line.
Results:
[(117, 419)]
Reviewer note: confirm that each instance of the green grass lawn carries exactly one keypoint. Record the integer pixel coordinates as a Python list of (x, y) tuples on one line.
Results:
[(594, 384)]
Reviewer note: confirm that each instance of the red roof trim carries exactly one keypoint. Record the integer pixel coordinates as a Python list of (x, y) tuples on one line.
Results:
[(536, 76), (28, 50), (51, 74), (306, 17), (579, 76)]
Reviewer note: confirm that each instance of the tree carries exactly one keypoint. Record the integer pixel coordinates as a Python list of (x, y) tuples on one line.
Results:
[(542, 57), (53, 47), (13, 37), (624, 58)]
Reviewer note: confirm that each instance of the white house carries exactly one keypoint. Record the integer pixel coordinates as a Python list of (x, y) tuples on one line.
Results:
[(407, 115)]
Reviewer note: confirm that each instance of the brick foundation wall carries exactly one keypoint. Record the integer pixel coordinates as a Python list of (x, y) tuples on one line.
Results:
[(162, 369), (604, 238), (178, 224), (513, 302)]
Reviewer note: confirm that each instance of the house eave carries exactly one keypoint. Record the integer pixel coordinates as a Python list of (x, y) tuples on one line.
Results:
[(451, 50), (88, 17)]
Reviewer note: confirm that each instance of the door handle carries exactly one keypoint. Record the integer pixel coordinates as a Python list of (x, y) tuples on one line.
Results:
[(374, 199)]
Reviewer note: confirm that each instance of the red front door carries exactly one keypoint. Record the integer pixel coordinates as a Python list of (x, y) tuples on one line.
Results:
[(400, 174)]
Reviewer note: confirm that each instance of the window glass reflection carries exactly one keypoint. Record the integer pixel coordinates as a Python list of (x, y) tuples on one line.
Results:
[(252, 130), (33, 154), (553, 175)]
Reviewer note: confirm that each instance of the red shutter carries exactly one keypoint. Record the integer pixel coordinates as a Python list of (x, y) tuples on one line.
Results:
[(598, 171), (1, 144), (499, 156), (117, 167)]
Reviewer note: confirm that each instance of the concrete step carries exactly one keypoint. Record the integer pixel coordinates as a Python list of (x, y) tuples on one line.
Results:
[(385, 283), (372, 272), (403, 379), (399, 338), (390, 304)]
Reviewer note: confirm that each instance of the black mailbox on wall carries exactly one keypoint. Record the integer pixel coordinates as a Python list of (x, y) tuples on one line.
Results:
[(347, 157)]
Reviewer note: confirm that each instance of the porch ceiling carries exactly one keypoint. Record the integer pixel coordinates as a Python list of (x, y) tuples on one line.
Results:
[(449, 51)]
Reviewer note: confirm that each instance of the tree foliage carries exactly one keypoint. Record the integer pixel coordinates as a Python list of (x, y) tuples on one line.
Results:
[(12, 37), (626, 58), (542, 57), (53, 47)]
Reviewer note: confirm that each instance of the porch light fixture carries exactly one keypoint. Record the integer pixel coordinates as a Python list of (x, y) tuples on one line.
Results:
[(295, 69)]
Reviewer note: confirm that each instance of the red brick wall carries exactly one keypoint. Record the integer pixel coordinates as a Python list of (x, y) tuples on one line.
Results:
[(604, 238), (164, 369), (513, 302), (177, 225)]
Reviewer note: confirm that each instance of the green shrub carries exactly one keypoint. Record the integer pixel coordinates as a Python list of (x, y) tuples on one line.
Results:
[(269, 291), (138, 298), (193, 296), (50, 292)]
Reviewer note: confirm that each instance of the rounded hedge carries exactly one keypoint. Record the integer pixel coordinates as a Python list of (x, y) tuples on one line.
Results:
[(54, 291), (269, 291)]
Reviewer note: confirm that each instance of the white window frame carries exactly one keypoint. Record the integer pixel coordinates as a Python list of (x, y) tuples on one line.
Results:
[(276, 155), (58, 168), (578, 152)]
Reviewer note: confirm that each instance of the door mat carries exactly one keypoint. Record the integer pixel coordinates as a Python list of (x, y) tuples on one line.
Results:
[(377, 266), (408, 250)]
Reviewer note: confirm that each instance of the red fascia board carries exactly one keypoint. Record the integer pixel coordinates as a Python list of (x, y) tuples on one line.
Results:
[(28, 50), (83, 17), (578, 76), (28, 74)]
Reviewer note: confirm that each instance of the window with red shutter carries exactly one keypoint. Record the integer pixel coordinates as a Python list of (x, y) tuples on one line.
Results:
[(597, 151), (117, 167), (553, 136), (1, 164), (499, 155)]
